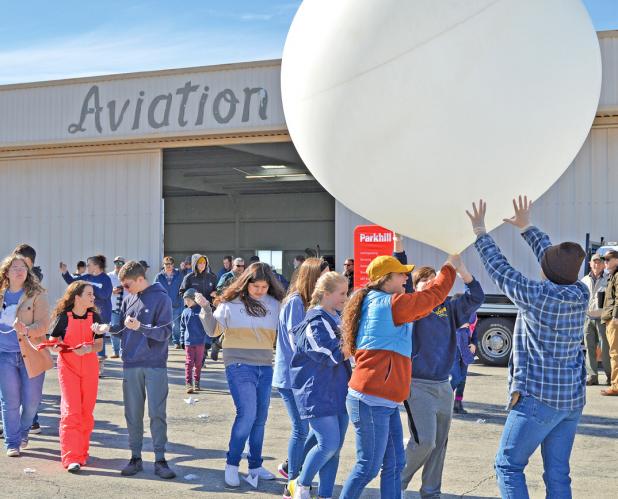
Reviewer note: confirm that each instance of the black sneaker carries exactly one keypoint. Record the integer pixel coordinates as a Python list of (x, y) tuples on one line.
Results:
[(458, 407), (1, 431), (35, 428), (163, 470), (135, 466)]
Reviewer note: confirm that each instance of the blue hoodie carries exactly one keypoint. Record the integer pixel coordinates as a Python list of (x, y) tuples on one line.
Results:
[(146, 347), (102, 286), (318, 371), (173, 289), (434, 338), (191, 328)]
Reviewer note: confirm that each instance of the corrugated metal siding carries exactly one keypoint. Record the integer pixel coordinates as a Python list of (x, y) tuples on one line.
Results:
[(609, 55), (72, 207), (42, 114), (582, 201)]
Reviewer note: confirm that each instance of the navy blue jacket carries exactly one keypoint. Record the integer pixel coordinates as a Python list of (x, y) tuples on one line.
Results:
[(434, 338), (146, 347), (173, 289), (318, 371), (102, 286), (191, 328)]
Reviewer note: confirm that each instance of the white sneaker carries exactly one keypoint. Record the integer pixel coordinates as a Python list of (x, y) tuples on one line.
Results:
[(301, 492), (262, 472), (23, 445), (73, 467), (231, 476), (12, 452)]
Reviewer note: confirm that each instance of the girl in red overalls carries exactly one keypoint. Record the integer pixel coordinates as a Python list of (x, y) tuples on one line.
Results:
[(75, 322)]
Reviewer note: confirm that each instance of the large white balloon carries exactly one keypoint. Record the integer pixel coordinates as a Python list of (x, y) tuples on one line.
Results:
[(407, 110)]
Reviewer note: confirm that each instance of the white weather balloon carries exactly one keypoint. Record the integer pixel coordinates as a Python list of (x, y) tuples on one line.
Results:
[(407, 110)]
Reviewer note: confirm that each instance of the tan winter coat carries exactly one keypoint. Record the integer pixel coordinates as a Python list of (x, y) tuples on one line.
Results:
[(34, 313)]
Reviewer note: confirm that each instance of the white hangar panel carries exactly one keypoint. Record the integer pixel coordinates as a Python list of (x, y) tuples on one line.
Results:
[(72, 207)]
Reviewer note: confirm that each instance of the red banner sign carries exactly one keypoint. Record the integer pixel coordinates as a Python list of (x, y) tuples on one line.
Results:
[(369, 241)]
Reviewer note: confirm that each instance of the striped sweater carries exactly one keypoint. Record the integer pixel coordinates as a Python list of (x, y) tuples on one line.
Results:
[(247, 339)]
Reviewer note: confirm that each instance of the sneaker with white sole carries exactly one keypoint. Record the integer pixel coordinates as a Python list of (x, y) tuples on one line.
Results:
[(231, 476), (73, 467), (35, 428), (262, 472), (283, 469), (23, 445), (301, 492), (12, 452)]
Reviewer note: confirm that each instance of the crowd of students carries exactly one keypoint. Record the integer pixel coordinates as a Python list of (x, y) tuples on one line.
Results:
[(337, 360)]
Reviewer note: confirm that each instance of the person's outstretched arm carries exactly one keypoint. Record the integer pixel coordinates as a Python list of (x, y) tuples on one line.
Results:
[(511, 282), (409, 307)]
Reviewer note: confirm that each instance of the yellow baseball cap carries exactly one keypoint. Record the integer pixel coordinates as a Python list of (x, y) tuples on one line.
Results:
[(383, 265)]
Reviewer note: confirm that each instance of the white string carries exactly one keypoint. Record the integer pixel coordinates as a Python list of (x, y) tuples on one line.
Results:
[(147, 326)]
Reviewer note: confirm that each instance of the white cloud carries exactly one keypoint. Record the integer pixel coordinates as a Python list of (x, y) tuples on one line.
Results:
[(257, 17)]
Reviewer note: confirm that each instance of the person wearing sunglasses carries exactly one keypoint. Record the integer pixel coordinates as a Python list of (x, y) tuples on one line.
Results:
[(145, 329), (238, 267), (171, 280)]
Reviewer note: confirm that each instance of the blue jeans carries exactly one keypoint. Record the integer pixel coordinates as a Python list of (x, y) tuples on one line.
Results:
[(176, 339), (21, 397), (250, 388), (379, 444), (298, 435), (532, 423), (137, 383), (324, 457), (115, 338)]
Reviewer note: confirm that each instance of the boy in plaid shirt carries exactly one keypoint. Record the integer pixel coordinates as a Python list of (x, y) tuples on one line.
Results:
[(547, 375)]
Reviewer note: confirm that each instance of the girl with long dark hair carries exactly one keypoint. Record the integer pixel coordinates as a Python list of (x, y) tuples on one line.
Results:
[(247, 313)]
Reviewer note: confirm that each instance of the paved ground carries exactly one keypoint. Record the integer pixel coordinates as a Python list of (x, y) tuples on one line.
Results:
[(197, 446)]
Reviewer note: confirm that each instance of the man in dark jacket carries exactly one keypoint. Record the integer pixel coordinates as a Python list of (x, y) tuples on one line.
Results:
[(145, 328), (200, 278), (171, 280)]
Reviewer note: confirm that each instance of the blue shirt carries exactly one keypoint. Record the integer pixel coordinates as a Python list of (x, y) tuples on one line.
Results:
[(8, 336), (292, 313), (547, 362), (102, 287)]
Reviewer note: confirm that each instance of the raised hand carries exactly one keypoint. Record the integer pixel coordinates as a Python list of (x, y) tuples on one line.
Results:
[(454, 261), (201, 300), (477, 217), (521, 218)]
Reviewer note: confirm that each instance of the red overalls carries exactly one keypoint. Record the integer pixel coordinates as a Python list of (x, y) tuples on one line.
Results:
[(79, 382)]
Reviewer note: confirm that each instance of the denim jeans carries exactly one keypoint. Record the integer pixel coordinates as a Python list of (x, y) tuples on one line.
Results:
[(21, 397), (532, 423), (115, 338), (250, 388), (176, 312), (137, 382), (298, 435), (324, 457), (379, 444)]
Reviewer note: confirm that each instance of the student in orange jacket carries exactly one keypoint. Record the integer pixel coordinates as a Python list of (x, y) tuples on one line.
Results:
[(75, 321)]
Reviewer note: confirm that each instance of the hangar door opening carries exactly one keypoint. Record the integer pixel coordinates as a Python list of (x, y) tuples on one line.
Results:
[(245, 200)]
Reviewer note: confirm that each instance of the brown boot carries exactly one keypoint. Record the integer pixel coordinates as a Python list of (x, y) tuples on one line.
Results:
[(189, 388), (196, 386)]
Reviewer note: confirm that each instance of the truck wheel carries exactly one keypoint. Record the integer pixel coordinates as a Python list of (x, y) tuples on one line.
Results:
[(495, 340)]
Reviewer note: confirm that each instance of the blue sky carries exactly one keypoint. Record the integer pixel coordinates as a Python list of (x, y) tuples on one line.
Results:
[(43, 40)]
